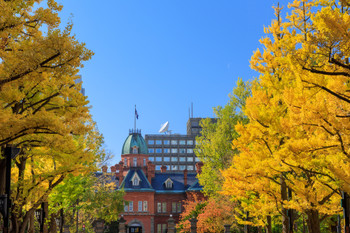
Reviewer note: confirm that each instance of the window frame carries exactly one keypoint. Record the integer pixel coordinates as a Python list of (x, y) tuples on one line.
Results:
[(164, 207), (131, 206), (145, 206), (139, 206)]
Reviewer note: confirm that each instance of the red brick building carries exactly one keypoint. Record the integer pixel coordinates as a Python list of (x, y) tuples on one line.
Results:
[(152, 196)]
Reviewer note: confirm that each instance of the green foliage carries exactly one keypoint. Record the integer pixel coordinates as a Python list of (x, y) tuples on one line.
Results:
[(95, 198), (215, 145)]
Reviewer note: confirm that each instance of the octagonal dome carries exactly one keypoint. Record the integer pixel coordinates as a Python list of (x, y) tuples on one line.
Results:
[(134, 143)]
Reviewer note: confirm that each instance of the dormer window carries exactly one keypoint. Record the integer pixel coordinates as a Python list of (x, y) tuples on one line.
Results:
[(168, 184), (135, 180), (135, 150)]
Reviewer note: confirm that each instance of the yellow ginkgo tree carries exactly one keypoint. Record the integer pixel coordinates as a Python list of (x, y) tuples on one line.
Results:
[(294, 152)]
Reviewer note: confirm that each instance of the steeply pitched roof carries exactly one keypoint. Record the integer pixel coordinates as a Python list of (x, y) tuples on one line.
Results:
[(178, 182), (143, 186), (195, 187)]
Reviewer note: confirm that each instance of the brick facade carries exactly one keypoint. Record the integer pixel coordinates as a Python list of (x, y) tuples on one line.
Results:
[(154, 198)]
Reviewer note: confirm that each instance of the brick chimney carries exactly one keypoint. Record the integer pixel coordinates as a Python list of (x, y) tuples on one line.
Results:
[(104, 169), (120, 173), (163, 169), (150, 171), (113, 169), (185, 177), (199, 166)]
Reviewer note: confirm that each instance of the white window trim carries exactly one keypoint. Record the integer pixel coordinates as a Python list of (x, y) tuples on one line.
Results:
[(139, 207), (135, 179), (168, 183)]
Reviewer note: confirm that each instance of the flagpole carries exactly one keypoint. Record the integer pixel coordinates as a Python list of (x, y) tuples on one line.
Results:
[(135, 119)]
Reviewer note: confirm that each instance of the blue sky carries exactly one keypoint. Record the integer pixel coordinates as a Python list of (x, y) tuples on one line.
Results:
[(163, 55)]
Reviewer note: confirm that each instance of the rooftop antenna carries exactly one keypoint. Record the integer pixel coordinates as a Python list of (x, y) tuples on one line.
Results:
[(164, 128), (192, 109)]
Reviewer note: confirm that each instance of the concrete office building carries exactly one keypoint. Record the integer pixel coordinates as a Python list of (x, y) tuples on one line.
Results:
[(175, 151)]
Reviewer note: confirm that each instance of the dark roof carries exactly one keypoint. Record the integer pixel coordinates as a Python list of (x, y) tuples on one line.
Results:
[(157, 185), (144, 184), (178, 182), (195, 187)]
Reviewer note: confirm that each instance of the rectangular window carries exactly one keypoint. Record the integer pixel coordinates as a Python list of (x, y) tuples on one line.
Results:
[(131, 206), (151, 159), (182, 159), (164, 207), (197, 143), (166, 142), (164, 230), (159, 207), (150, 142), (144, 162), (189, 159), (173, 142), (140, 206), (166, 159), (174, 159), (125, 162), (190, 168), (158, 159), (159, 142), (179, 207), (182, 142), (197, 159), (173, 167), (173, 207), (166, 150), (159, 228), (174, 150), (182, 150), (145, 206), (135, 162), (158, 150), (167, 167), (182, 167), (158, 167), (189, 142), (150, 150), (126, 208), (189, 151)]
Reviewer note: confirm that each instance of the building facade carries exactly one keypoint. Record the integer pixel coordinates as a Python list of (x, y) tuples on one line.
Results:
[(152, 196), (175, 151)]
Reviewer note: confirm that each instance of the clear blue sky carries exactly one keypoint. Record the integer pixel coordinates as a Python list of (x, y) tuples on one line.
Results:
[(162, 55)]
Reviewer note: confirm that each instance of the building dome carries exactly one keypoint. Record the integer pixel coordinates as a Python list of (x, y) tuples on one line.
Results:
[(134, 143)]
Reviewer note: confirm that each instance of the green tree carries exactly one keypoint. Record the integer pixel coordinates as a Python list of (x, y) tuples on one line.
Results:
[(90, 196), (214, 146)]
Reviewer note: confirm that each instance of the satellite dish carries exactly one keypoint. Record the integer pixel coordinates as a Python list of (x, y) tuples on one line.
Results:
[(164, 127)]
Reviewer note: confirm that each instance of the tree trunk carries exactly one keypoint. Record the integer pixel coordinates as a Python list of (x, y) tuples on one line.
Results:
[(268, 227), (52, 225), (2, 175), (27, 218), (46, 214), (31, 223), (313, 221), (284, 197)]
